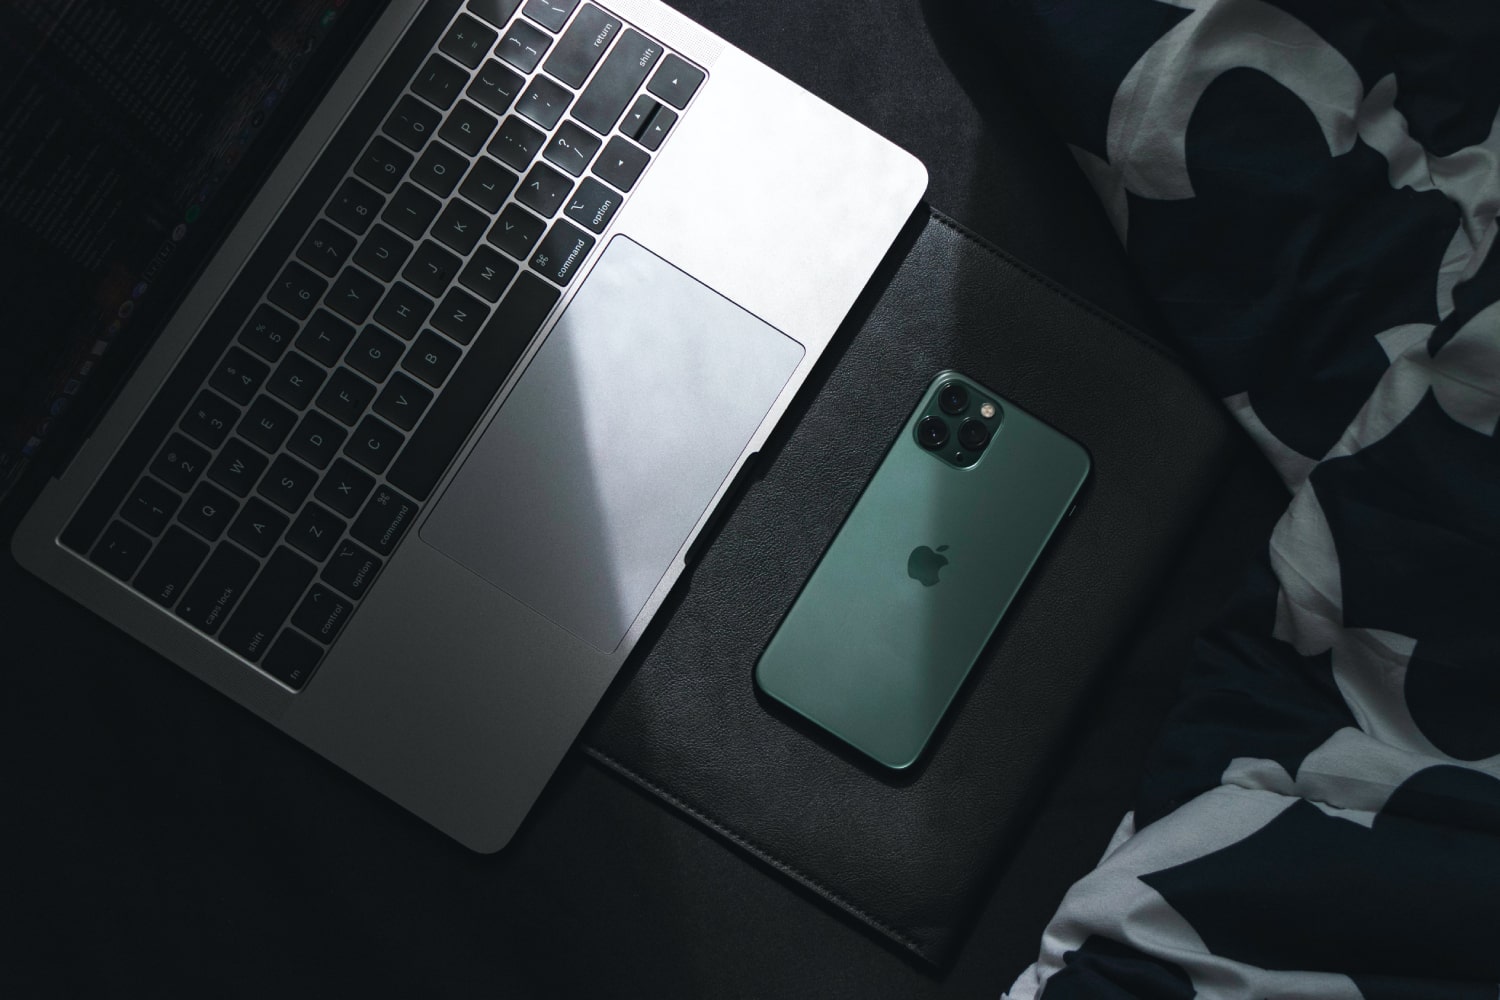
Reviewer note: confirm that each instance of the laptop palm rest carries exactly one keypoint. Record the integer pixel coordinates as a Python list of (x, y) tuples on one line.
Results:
[(612, 445)]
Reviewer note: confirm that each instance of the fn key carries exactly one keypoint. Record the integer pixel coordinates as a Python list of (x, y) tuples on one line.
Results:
[(291, 659)]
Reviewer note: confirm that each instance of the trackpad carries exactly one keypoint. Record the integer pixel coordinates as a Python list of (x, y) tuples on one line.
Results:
[(593, 473)]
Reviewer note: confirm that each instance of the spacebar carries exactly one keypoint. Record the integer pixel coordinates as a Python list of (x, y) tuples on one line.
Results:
[(491, 357)]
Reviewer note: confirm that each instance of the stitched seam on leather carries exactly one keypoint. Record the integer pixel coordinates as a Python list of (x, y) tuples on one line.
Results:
[(744, 843), (1050, 285)]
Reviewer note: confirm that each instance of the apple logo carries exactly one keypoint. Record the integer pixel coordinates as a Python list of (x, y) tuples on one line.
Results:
[(924, 564)]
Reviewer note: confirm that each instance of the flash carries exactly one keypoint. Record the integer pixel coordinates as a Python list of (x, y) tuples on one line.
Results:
[(987, 410)]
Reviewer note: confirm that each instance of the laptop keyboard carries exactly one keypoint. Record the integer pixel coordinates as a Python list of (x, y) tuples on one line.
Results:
[(309, 447)]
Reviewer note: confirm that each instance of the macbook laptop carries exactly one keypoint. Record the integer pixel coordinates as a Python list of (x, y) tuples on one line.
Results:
[(427, 438)]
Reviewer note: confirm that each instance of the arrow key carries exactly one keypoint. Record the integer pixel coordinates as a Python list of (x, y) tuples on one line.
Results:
[(656, 130), (621, 163), (676, 81)]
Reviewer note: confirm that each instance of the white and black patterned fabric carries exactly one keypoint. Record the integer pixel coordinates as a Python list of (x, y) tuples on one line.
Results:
[(1309, 189)]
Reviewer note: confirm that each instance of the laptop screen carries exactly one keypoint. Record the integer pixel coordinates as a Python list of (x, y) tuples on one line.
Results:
[(131, 136)]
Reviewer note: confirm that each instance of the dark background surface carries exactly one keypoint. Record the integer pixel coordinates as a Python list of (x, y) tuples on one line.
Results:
[(164, 841)]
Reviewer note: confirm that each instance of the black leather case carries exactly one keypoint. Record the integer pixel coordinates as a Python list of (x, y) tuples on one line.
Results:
[(909, 854)]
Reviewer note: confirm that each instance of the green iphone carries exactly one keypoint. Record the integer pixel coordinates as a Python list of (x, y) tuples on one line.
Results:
[(900, 606)]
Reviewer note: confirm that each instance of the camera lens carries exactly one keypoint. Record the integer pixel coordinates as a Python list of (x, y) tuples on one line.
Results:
[(932, 431), (953, 398), (973, 435)]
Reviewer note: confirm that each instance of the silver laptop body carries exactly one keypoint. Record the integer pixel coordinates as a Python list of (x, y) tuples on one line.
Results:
[(466, 670)]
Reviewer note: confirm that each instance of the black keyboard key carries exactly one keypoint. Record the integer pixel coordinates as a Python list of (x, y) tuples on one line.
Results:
[(374, 354), (382, 253), (488, 184), (593, 204), (315, 533), (171, 565), (316, 440), (402, 401), (373, 444), (564, 248), (440, 82), (460, 315), (439, 170), (218, 588), (268, 333), (487, 274), (287, 483), (238, 375), (655, 131), (120, 550), (384, 164), (296, 380), (496, 86), (517, 143), (639, 117), (238, 467), (432, 268), (297, 290), (431, 358), (325, 248), (267, 604), (523, 46), (179, 463), (550, 14), (292, 659), (354, 206), (676, 81), (344, 488), (324, 337), (411, 211), (517, 232), (497, 12), (354, 295), (460, 227), (403, 310), (208, 511), (544, 102), (618, 79), (345, 397), (572, 148), (584, 44), (621, 164), (489, 360), (468, 41), (385, 519), (351, 570), (468, 128), (412, 123), (258, 526), (322, 614), (267, 423), (150, 506), (209, 419), (544, 190)]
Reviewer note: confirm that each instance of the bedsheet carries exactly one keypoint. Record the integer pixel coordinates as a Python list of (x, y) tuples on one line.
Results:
[(1309, 189)]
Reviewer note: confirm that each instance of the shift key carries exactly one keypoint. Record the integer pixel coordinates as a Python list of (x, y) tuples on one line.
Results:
[(267, 604), (618, 79)]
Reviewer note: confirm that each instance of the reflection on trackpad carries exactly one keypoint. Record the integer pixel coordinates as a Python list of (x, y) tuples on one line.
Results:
[(588, 482)]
